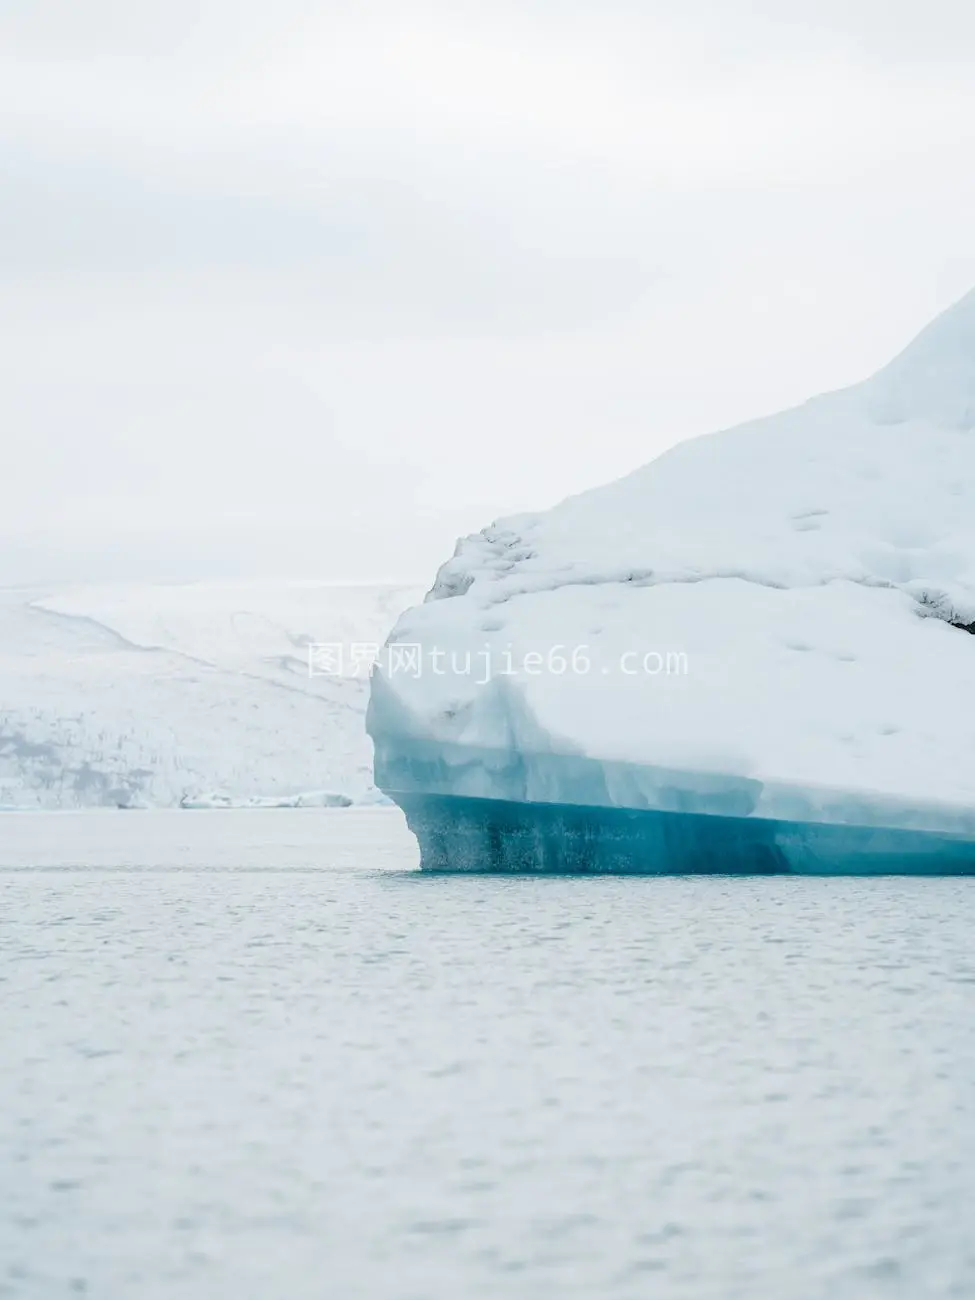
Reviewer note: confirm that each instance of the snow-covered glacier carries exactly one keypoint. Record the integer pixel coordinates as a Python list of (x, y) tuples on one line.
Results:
[(753, 654)]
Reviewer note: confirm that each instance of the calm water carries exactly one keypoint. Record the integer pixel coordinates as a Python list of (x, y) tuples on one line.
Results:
[(256, 1055)]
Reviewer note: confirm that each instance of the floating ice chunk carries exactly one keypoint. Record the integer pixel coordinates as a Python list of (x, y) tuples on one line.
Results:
[(309, 799)]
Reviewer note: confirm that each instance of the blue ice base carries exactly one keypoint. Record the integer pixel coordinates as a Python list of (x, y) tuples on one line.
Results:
[(502, 809), (459, 833)]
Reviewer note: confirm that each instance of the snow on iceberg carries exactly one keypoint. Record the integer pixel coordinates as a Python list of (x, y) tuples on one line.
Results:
[(754, 653)]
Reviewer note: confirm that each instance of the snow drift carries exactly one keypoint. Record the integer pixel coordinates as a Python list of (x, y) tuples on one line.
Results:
[(756, 651)]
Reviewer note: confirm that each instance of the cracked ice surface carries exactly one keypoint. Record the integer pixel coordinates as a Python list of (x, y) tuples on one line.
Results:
[(811, 573)]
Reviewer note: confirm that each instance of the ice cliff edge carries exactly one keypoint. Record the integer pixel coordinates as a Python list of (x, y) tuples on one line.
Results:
[(754, 653)]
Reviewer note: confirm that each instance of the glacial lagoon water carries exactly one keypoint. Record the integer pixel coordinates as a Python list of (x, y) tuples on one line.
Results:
[(256, 1054)]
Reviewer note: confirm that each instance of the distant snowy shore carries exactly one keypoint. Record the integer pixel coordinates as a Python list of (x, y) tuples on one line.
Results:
[(132, 696)]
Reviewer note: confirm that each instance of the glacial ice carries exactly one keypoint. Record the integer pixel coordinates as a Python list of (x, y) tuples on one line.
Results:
[(754, 653)]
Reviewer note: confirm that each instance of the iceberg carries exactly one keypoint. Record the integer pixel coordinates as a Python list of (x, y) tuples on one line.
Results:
[(754, 653)]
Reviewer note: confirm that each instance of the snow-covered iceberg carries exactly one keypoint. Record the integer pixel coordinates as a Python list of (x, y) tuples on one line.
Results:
[(754, 653)]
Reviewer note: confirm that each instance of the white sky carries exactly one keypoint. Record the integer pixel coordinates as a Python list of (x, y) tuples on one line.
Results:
[(312, 287)]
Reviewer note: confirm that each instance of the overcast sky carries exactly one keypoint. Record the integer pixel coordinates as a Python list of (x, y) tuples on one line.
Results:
[(311, 287)]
